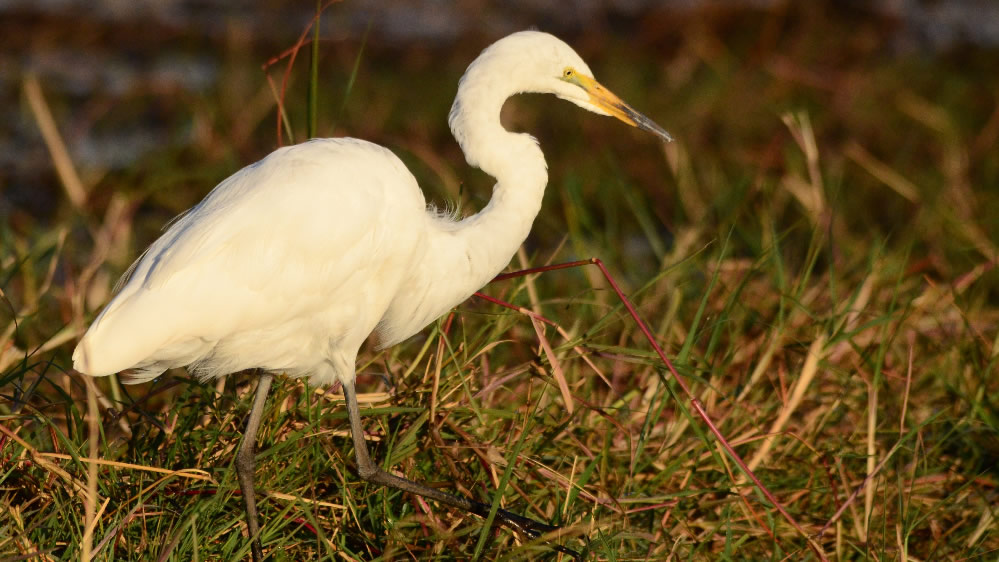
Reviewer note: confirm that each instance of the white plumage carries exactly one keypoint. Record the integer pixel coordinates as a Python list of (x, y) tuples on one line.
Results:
[(290, 264), (277, 268)]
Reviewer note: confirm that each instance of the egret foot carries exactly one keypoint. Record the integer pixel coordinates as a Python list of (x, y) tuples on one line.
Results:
[(370, 472)]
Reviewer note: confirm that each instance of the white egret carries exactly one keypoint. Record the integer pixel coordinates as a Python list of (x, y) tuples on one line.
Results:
[(291, 263)]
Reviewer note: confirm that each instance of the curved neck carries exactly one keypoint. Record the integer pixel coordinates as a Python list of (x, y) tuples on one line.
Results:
[(459, 258), (489, 239)]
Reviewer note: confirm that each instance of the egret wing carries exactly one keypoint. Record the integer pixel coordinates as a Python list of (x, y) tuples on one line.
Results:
[(268, 246)]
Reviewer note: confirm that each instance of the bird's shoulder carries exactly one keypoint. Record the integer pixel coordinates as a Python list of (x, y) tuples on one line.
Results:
[(299, 200), (334, 166)]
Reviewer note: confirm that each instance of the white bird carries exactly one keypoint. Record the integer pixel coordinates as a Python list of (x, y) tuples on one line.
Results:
[(291, 263)]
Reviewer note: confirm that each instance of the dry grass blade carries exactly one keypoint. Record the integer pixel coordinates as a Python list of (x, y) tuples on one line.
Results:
[(887, 175), (985, 523), (853, 496), (808, 371), (557, 372), (75, 485), (809, 192), (61, 160), (188, 473)]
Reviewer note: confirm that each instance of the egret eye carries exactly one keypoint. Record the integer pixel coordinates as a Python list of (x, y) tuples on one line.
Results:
[(568, 73)]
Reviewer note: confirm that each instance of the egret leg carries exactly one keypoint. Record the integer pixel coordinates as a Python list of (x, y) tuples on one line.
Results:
[(370, 472), (245, 462)]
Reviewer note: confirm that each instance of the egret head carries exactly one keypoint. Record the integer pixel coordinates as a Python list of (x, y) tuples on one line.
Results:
[(584, 91), (527, 61), (549, 65)]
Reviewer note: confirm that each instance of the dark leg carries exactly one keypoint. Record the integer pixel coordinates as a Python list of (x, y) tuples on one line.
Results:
[(370, 472), (245, 461)]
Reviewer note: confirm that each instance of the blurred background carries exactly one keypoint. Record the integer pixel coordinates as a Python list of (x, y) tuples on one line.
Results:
[(136, 85)]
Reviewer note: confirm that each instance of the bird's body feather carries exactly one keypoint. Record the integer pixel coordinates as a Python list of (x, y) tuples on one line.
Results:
[(270, 265), (292, 262)]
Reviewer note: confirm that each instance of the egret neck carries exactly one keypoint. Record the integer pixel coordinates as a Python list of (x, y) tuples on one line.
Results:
[(488, 240)]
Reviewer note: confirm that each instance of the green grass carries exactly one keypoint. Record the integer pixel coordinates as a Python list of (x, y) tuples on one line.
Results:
[(816, 254)]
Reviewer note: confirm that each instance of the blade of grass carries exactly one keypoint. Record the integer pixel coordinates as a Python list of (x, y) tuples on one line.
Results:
[(313, 97)]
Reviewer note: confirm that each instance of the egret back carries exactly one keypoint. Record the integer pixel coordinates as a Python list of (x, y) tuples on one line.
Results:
[(278, 252)]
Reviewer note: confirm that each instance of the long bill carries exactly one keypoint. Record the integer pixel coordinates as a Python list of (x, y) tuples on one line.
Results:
[(616, 107)]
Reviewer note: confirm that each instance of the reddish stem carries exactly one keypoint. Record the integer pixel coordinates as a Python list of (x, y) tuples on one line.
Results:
[(292, 53), (514, 307), (697, 405)]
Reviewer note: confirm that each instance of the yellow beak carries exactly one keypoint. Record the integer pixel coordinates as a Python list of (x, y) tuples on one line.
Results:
[(607, 101)]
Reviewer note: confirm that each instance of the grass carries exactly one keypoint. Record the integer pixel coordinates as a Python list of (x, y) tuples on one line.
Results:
[(816, 254)]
